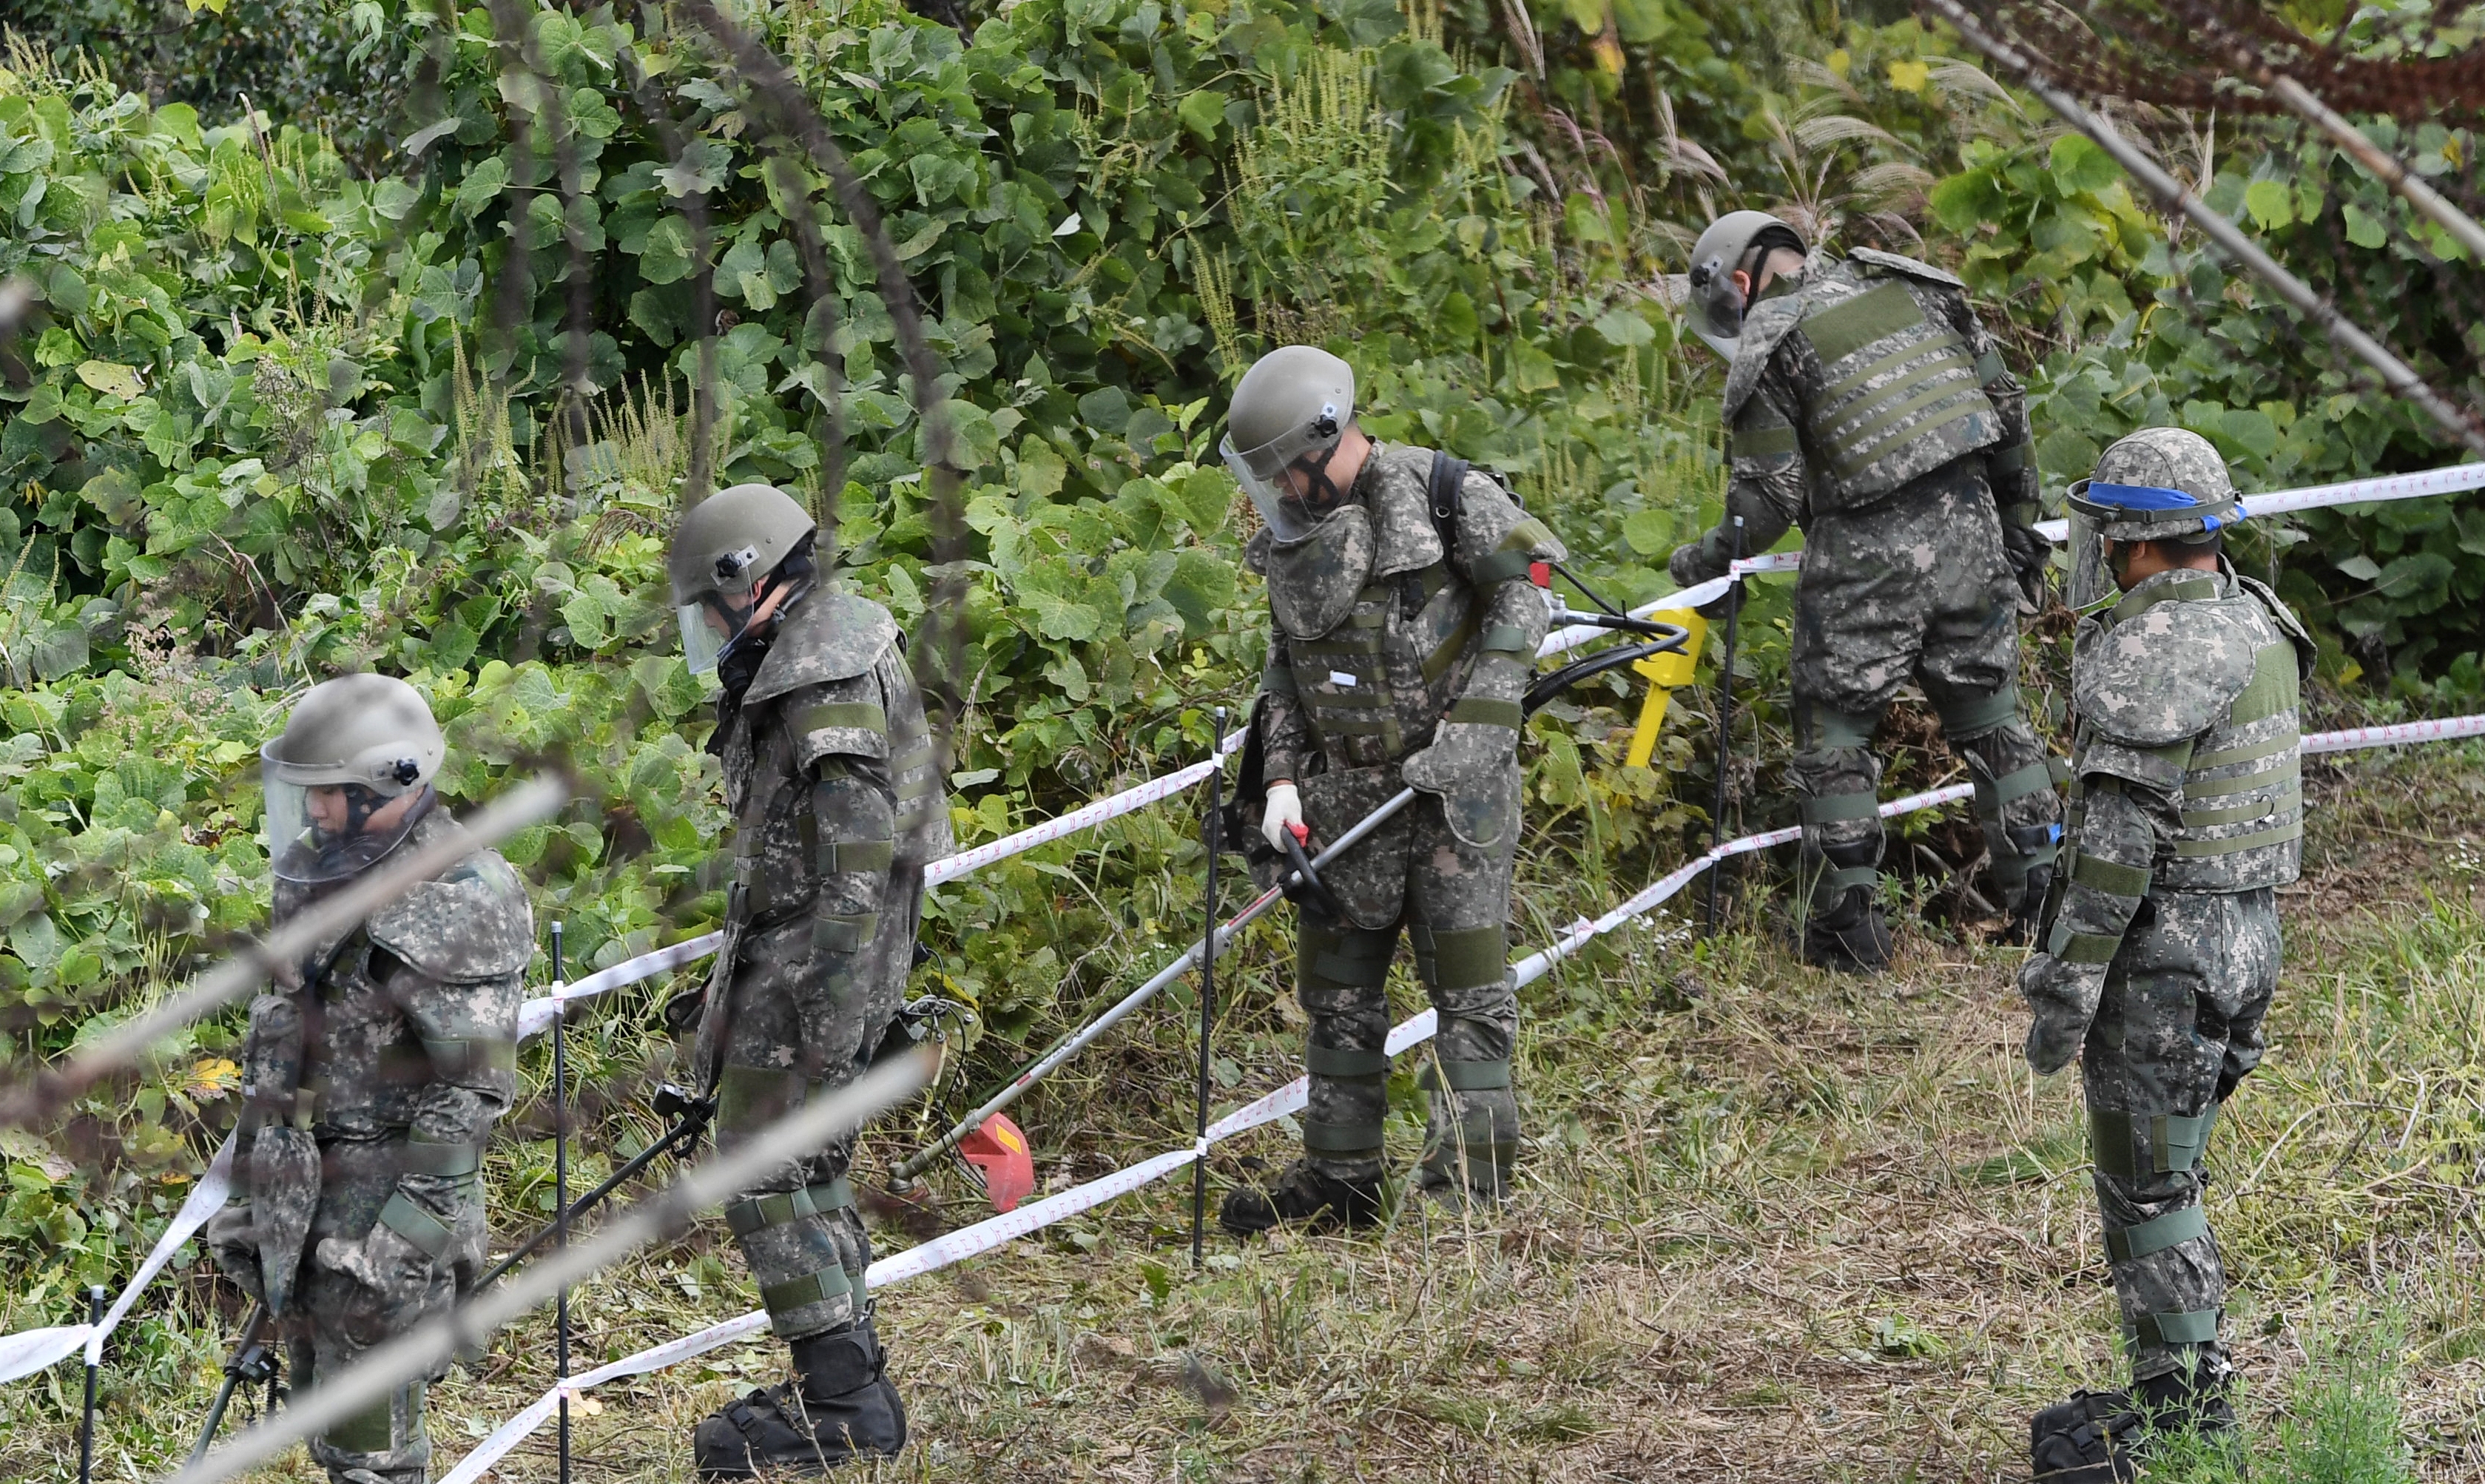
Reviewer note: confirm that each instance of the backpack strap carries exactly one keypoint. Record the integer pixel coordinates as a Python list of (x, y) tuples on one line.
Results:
[(1445, 493)]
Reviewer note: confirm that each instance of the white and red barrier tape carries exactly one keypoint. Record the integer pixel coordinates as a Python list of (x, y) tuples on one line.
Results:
[(30, 1351)]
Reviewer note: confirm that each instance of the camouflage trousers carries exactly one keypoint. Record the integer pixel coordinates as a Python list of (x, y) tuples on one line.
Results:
[(797, 1230), (336, 1319), (1915, 588), (1452, 896), (2178, 1027)]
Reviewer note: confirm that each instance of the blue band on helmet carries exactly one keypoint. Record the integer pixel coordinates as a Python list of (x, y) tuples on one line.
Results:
[(2139, 497)]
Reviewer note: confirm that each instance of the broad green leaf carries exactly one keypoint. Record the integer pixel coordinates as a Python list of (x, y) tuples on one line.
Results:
[(2271, 203), (110, 378), (2078, 165)]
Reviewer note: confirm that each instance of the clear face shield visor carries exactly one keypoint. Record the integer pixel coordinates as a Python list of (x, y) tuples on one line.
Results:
[(709, 624), (317, 825), (2087, 579), (1277, 474)]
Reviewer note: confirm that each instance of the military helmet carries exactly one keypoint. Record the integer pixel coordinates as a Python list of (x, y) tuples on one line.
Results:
[(1289, 412), (1731, 243), (368, 738), (724, 545), (2158, 484)]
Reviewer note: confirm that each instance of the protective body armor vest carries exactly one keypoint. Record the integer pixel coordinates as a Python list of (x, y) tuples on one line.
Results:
[(374, 1044), (781, 850), (1373, 684), (2209, 706), (1885, 387)]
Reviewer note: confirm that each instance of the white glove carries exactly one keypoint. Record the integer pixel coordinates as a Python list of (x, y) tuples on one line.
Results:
[(1284, 816)]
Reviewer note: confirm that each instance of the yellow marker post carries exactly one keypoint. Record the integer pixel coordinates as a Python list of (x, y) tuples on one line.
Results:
[(1665, 673)]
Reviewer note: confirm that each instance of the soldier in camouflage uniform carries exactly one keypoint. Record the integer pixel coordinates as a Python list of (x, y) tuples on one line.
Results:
[(372, 1082), (2161, 948), (831, 770), (1866, 403), (1406, 633)]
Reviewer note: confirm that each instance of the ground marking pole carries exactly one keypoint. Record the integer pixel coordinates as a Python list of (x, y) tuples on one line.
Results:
[(1207, 1005), (560, 1193), (93, 1361), (1724, 721)]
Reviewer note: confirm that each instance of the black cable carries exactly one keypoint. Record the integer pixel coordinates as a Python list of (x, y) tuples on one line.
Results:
[(1590, 594)]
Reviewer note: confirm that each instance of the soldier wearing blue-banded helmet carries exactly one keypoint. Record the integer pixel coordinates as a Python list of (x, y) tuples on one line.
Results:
[(1865, 401), (2160, 947)]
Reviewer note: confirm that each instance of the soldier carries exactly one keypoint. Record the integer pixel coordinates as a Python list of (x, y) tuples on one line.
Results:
[(2162, 942), (830, 770), (1867, 402), (371, 1084), (1405, 628)]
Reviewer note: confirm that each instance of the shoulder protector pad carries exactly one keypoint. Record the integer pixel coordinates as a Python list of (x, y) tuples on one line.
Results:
[(473, 922), (1255, 551), (1910, 267), (1762, 328), (829, 636), (1400, 502), (2164, 674)]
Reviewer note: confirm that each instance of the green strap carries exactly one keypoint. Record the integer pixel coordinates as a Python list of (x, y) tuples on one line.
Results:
[(424, 1157), (838, 857), (1338, 969), (910, 759), (1493, 568), (1340, 1137), (2174, 1141), (2110, 877), (2198, 818), (473, 1053), (1887, 425), (2009, 460), (2288, 771), (854, 715), (761, 1212), (1979, 713), (2075, 948), (2251, 752), (1762, 441), (416, 1224), (1833, 730), (2019, 783), (1470, 957), (1507, 638), (1485, 712), (1846, 878), (2193, 849), (810, 1288), (2153, 1237), (2195, 1327), (2181, 590), (1465, 1076), (374, 1429), (749, 1097), (1341, 1064), (1278, 680), (1829, 808), (844, 934)]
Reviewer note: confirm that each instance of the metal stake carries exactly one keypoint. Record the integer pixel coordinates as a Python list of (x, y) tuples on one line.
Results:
[(561, 1188), (1207, 998), (93, 1358), (1725, 726)]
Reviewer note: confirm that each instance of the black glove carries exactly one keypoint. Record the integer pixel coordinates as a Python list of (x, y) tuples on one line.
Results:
[(2029, 556)]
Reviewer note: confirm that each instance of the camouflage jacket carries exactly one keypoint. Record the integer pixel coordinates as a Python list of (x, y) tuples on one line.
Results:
[(409, 1046), (1380, 640), (2184, 763), (1857, 377), (831, 773)]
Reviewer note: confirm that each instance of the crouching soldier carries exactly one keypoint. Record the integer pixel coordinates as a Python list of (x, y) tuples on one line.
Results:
[(372, 1082), (1406, 633), (830, 770), (2160, 946)]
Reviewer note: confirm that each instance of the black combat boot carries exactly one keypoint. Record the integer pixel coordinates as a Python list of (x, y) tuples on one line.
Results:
[(1852, 937), (839, 1408), (1304, 1194), (2191, 1400), (2088, 1439)]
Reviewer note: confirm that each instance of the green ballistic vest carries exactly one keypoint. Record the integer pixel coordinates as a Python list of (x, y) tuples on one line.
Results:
[(1896, 393), (2243, 788), (1372, 690)]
